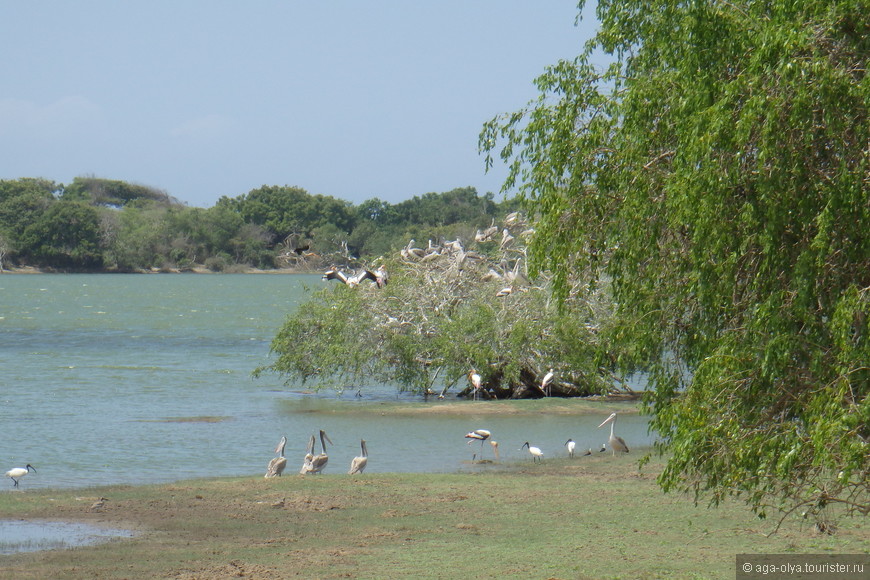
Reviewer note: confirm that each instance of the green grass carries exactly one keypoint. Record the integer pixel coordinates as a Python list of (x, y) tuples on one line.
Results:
[(591, 517)]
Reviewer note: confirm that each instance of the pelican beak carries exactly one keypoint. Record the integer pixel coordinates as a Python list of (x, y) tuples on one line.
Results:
[(608, 420)]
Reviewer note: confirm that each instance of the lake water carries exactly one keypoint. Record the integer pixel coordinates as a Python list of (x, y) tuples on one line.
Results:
[(111, 378)]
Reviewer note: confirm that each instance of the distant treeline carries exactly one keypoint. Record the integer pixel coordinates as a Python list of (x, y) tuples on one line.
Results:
[(96, 224)]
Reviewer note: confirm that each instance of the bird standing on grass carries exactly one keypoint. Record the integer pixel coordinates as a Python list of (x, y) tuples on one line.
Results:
[(537, 454), (358, 464), (616, 443), (17, 473), (570, 445), (277, 464), (319, 461)]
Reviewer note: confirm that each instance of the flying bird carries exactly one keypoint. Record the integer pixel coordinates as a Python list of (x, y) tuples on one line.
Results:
[(536, 452), (356, 279), (570, 444), (616, 443), (358, 464), (277, 464), (17, 473)]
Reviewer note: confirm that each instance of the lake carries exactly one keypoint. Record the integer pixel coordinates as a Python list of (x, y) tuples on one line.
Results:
[(146, 378)]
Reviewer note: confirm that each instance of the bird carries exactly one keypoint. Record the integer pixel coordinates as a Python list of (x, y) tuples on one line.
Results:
[(588, 452), (535, 451), (17, 473), (617, 443), (474, 377), (494, 445), (98, 505), (277, 464), (358, 464), (301, 249), (309, 455), (546, 382), (570, 444), (318, 462), (603, 448), (506, 291)]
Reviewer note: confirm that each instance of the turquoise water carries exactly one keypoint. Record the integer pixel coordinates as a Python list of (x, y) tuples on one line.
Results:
[(147, 378)]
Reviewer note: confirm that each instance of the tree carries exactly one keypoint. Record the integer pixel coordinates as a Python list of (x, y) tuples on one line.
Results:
[(717, 172), (66, 235), (444, 311)]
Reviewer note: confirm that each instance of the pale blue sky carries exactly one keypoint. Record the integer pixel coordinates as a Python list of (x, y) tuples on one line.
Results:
[(353, 99)]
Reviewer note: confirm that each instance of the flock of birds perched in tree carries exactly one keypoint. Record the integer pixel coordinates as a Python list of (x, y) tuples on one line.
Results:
[(314, 464)]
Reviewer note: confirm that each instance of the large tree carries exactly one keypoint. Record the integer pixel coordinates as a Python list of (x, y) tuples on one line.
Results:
[(718, 172)]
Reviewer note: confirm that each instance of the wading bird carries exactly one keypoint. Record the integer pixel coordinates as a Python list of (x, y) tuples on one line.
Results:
[(478, 435), (17, 473), (535, 451), (616, 443), (546, 382), (474, 377), (319, 461), (309, 456), (277, 464), (358, 464), (570, 445)]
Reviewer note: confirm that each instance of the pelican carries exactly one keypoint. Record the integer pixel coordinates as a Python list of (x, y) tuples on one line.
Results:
[(277, 465), (546, 381), (474, 377), (570, 445), (535, 451), (358, 464), (309, 455), (318, 462), (617, 443), (17, 473), (378, 278)]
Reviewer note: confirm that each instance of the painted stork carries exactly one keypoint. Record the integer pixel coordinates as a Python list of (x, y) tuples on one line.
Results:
[(546, 382), (475, 379)]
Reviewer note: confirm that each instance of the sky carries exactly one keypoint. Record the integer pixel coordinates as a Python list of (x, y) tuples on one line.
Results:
[(209, 98)]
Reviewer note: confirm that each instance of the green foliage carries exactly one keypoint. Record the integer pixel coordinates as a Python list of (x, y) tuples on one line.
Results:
[(66, 235), (438, 317), (718, 170)]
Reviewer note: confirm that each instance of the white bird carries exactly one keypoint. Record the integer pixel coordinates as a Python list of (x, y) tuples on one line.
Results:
[(309, 456), (616, 443), (570, 444), (546, 381), (535, 451), (358, 464), (277, 464), (319, 461), (475, 379), (603, 448), (17, 473)]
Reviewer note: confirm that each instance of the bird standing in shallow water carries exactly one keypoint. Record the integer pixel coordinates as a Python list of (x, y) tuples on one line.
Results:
[(17, 473), (616, 443)]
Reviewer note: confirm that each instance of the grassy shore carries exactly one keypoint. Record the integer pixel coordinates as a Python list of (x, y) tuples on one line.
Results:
[(587, 517)]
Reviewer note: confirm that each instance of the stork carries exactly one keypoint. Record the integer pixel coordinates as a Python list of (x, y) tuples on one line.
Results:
[(475, 379), (358, 464), (479, 435), (616, 443), (17, 473), (546, 382)]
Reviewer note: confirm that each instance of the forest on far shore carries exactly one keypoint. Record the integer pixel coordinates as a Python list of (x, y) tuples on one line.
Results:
[(103, 225)]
